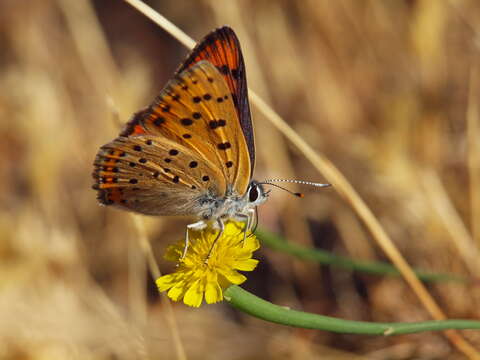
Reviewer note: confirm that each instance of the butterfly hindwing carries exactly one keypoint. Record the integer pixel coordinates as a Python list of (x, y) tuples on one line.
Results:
[(154, 176)]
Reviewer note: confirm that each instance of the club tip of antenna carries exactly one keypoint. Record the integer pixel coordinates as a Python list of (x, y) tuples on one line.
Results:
[(300, 195)]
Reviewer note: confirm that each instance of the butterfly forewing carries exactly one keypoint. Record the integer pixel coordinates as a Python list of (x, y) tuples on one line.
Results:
[(193, 131), (196, 109), (222, 48)]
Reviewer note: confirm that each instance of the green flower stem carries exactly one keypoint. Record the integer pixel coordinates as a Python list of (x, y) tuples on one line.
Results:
[(253, 305), (277, 243)]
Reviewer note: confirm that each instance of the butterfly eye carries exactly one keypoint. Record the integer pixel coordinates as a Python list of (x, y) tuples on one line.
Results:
[(253, 193)]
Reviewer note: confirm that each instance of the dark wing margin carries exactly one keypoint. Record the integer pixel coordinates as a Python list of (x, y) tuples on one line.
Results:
[(222, 48)]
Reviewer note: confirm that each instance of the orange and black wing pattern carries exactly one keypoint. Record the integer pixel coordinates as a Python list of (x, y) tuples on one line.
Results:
[(187, 144), (222, 49)]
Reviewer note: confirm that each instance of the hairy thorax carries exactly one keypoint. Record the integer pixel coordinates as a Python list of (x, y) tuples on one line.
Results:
[(222, 208)]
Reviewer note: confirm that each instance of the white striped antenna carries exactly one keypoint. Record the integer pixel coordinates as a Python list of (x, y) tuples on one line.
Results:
[(302, 182)]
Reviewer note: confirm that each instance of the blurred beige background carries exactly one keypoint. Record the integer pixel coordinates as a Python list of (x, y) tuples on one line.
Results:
[(387, 90)]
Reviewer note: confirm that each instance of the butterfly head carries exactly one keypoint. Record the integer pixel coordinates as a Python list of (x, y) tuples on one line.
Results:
[(238, 206), (256, 195)]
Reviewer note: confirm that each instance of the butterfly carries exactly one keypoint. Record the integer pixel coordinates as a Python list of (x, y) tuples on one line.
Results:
[(191, 152)]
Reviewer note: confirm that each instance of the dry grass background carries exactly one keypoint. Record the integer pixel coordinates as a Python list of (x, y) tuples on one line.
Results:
[(387, 90)]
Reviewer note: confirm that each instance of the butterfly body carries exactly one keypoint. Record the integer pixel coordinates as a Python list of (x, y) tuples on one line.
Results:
[(234, 206), (191, 152)]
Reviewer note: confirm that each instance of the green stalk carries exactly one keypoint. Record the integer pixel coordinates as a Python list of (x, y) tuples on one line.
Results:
[(253, 305), (316, 255)]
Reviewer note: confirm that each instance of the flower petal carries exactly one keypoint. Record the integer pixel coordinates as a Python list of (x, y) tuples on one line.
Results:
[(176, 293), (245, 265), (165, 282), (213, 293), (233, 277), (173, 253), (194, 295)]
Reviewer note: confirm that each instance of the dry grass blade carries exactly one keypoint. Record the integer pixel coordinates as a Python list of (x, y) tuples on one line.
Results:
[(87, 34), (473, 132), (454, 225), (333, 175)]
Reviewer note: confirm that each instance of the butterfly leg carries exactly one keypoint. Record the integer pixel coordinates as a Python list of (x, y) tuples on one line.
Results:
[(220, 232), (199, 225), (248, 223)]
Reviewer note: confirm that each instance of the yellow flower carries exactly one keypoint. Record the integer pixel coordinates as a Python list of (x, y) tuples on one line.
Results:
[(195, 278)]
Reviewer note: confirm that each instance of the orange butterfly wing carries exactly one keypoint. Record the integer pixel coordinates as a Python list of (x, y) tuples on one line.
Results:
[(222, 49)]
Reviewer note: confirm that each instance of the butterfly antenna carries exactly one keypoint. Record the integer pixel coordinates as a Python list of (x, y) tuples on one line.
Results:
[(281, 187), (302, 182)]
